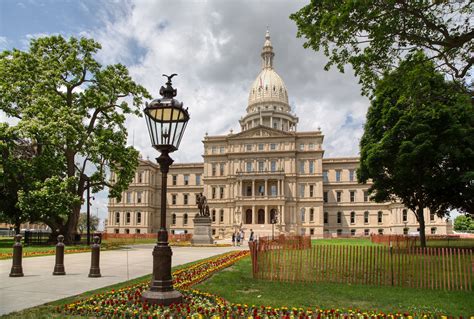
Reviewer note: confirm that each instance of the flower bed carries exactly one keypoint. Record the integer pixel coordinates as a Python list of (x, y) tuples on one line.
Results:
[(126, 302), (52, 251)]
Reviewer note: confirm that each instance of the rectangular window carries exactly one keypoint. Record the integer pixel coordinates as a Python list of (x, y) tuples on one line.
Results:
[(221, 192), (311, 167), (185, 199), (301, 190), (366, 217), (174, 179), (366, 196), (432, 217), (273, 165), (249, 191), (260, 147), (173, 199), (221, 169), (351, 175), (338, 175), (339, 217), (380, 231), (326, 217), (325, 197), (311, 146), (311, 190), (139, 197), (366, 232), (338, 196), (261, 190), (260, 166), (129, 197), (339, 232), (301, 167), (116, 230), (311, 231), (248, 147), (198, 179), (186, 179), (127, 218), (221, 216), (272, 146), (213, 193), (117, 217), (140, 178), (139, 218), (433, 230), (311, 215), (222, 150), (273, 190), (301, 147), (214, 168), (380, 217), (137, 231), (404, 215), (352, 193), (249, 166), (353, 232), (325, 176), (214, 150)]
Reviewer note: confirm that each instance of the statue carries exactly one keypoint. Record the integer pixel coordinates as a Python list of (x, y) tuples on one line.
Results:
[(202, 205)]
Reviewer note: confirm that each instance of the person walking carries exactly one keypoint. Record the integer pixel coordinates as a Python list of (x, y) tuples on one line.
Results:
[(242, 236), (251, 235), (238, 238), (233, 239)]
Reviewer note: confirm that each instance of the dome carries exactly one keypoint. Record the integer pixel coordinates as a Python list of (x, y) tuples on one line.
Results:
[(268, 88)]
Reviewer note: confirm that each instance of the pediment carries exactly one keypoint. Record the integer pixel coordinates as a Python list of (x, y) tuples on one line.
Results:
[(261, 131)]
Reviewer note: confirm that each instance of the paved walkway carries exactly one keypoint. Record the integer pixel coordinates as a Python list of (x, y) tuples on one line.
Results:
[(39, 286)]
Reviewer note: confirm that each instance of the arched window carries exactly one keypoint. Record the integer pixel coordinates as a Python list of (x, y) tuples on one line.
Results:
[(173, 219), (302, 214), (339, 217), (326, 217), (273, 216), (248, 216), (311, 214), (185, 219), (353, 217), (380, 217), (139, 217), (261, 216), (366, 217), (213, 215), (221, 216)]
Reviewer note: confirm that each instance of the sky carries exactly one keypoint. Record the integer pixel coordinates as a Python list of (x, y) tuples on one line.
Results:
[(214, 46)]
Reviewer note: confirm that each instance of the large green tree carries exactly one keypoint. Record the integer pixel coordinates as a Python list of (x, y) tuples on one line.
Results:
[(66, 102), (373, 36), (418, 141), (464, 223)]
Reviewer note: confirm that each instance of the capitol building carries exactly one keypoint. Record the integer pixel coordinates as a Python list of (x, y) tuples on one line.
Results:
[(267, 176)]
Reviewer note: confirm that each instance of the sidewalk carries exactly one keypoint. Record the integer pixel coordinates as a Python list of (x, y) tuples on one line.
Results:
[(39, 286)]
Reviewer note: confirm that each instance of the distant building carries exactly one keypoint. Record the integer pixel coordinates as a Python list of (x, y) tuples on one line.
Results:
[(266, 172)]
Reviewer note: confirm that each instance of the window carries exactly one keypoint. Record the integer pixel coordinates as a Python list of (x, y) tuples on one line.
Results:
[(351, 175), (273, 190), (198, 179), (221, 169), (140, 177), (302, 214), (213, 193), (139, 218), (301, 190), (260, 147), (127, 231), (311, 214), (353, 232), (222, 150), (380, 231), (249, 190), (117, 217), (379, 217), (221, 192), (127, 217), (273, 166), (325, 176), (405, 231), (214, 150), (248, 147), (213, 215), (311, 190), (139, 197), (260, 166), (366, 232), (185, 199), (186, 179), (432, 217), (249, 166), (261, 190), (339, 232), (338, 175), (366, 196), (116, 230), (353, 217), (185, 219), (311, 146), (137, 231), (325, 197), (433, 230), (174, 179), (311, 167), (273, 146), (352, 193), (338, 196), (129, 197), (339, 217), (173, 199), (213, 232), (214, 168), (301, 167), (366, 217), (326, 217), (173, 219), (221, 216), (311, 231), (404, 215), (301, 147)]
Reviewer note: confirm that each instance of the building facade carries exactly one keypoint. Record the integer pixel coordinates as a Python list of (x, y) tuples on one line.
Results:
[(268, 177)]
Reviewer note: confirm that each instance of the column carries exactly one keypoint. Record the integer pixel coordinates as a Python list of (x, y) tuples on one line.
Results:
[(266, 220), (254, 215), (283, 214), (278, 187), (253, 188), (266, 187)]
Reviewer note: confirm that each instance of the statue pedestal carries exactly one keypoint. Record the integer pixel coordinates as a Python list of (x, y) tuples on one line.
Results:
[(202, 231)]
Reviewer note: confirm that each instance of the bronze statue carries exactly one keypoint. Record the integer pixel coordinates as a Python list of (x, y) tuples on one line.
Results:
[(202, 205)]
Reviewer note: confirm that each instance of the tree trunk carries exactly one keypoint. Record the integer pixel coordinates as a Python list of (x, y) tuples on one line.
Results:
[(421, 221), (17, 228), (70, 228)]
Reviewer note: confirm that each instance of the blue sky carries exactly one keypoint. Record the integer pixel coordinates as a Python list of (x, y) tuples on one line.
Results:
[(214, 46)]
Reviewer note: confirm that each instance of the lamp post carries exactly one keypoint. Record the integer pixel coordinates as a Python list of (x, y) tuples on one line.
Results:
[(274, 221), (166, 121)]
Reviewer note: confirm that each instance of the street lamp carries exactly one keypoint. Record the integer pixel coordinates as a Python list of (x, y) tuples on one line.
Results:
[(273, 221), (166, 120)]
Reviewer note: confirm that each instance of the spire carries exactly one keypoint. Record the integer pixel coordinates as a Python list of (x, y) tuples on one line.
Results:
[(267, 52)]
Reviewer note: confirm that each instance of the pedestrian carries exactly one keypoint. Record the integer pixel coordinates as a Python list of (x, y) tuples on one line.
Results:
[(238, 238), (242, 236), (233, 239), (251, 235)]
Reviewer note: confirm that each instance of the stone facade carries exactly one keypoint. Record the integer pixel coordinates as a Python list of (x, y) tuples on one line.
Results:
[(267, 172)]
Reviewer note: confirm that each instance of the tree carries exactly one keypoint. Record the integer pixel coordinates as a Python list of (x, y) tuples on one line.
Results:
[(82, 225), (68, 104), (373, 36), (464, 223), (418, 141)]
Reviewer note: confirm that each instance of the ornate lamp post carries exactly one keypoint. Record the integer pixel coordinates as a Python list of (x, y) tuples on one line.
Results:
[(166, 120)]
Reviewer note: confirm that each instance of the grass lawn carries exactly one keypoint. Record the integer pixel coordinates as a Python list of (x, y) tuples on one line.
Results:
[(237, 285), (358, 241), (362, 241)]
